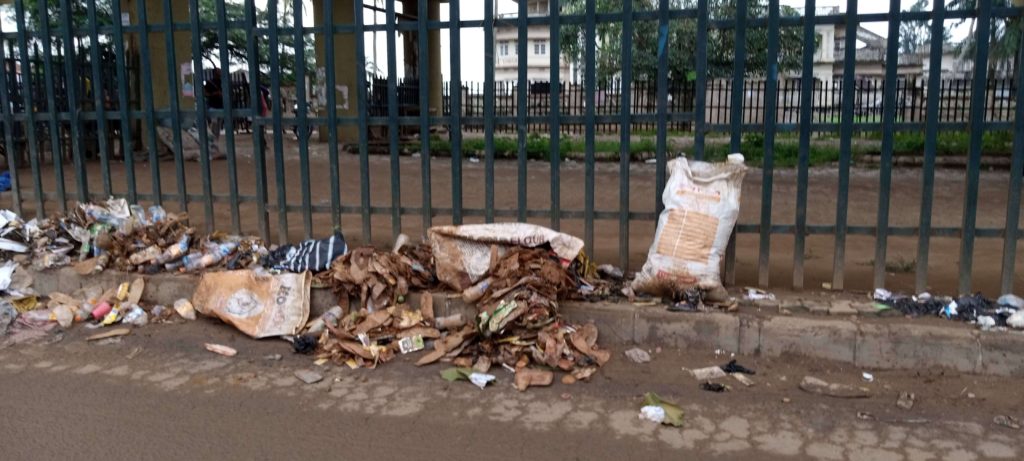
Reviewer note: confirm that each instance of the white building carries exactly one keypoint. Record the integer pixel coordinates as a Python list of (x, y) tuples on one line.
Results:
[(538, 47)]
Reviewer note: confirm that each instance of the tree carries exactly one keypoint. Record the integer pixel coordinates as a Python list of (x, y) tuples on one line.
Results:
[(915, 36), (1004, 35), (682, 39), (237, 43)]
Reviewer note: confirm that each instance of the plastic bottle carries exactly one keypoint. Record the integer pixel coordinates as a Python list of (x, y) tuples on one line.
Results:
[(149, 254), (213, 256), (175, 251), (472, 294), (330, 317)]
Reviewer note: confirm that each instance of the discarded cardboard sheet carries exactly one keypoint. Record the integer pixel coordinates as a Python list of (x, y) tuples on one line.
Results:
[(463, 254)]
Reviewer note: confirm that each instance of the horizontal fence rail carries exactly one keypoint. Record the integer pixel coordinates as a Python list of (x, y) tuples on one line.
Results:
[(108, 98)]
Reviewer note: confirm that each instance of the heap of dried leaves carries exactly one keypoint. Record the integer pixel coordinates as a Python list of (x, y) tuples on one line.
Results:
[(378, 279), (518, 324)]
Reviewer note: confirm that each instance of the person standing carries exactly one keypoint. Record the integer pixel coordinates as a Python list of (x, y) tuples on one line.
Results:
[(213, 92)]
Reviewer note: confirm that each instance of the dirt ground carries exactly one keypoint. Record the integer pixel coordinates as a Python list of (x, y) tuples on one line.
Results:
[(904, 211), (157, 394)]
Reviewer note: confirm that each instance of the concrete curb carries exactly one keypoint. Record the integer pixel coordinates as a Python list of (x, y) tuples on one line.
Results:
[(865, 345)]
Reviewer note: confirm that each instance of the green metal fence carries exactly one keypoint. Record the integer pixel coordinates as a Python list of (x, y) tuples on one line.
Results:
[(44, 122)]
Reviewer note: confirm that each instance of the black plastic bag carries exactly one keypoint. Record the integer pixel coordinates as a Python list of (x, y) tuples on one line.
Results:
[(311, 255)]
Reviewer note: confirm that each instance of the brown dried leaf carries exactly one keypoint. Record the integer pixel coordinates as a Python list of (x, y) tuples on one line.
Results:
[(427, 307)]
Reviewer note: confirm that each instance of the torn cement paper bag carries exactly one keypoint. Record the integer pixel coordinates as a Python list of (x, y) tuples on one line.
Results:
[(462, 254), (702, 202), (260, 305)]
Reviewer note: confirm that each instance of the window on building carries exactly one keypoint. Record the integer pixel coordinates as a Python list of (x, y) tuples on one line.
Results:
[(503, 48), (540, 47)]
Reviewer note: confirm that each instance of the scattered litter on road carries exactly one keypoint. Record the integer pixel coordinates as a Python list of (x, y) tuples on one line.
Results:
[(273, 357), (467, 374), (865, 416), (757, 294), (109, 334), (868, 377), (652, 413), (185, 309), (7, 316), (1006, 421), (743, 379), (714, 387), (733, 367), (610, 272), (817, 386), (309, 376), (1011, 300), (906, 400), (707, 373), (1016, 320), (527, 377), (661, 411), (221, 349), (637, 355)]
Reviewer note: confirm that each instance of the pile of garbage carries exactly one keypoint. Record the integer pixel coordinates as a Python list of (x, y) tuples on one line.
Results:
[(1007, 311), (126, 238), (517, 326), (378, 279)]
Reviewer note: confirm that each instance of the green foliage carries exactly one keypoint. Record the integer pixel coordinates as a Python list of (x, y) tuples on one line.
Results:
[(236, 46), (682, 41)]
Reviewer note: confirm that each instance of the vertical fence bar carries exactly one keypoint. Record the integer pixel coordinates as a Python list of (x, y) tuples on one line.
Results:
[(625, 127), (51, 106), (424, 66), (521, 103), (489, 111), (700, 87), (845, 144), (456, 117), (736, 117), (302, 118), (258, 129), (98, 93), (5, 99), (590, 80), (1010, 233), (555, 157), (122, 103), (149, 115), (332, 117), (30, 113), (977, 127), (201, 111), (738, 71), (767, 170), (888, 128), (803, 162), (229, 119), (363, 109), (275, 96), (172, 76), (71, 94), (396, 178), (661, 147)]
